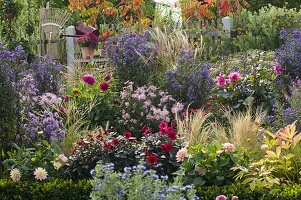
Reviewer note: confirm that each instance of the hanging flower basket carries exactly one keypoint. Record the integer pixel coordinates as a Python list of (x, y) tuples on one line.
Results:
[(88, 44), (87, 52)]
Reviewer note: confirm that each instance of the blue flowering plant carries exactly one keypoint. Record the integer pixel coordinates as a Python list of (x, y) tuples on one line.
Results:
[(47, 126), (136, 182), (190, 82), (133, 57), (289, 54)]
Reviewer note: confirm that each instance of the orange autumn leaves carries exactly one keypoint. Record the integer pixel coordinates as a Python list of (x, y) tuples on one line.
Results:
[(126, 12), (209, 9)]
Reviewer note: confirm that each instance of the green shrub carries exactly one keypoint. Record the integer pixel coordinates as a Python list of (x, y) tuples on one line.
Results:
[(55, 190), (283, 192), (257, 4), (261, 29), (8, 116)]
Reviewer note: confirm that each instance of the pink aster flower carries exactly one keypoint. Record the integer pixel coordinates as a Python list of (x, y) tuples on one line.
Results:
[(221, 197), (221, 81), (277, 68), (89, 79), (234, 76)]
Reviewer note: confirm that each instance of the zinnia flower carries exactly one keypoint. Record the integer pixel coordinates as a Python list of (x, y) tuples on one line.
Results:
[(89, 79), (182, 153), (63, 158), (228, 147), (234, 76), (15, 175), (127, 134), (166, 147), (221, 197), (104, 86), (40, 173), (221, 81), (152, 159)]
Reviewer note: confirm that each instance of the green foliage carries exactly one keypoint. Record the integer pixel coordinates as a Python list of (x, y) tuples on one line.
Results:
[(282, 192), (257, 4), (261, 30), (256, 88), (136, 183), (8, 116), (295, 101), (28, 159), (208, 165), (35, 190)]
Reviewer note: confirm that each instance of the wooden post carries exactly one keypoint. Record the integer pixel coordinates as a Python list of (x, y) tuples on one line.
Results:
[(227, 26), (70, 47)]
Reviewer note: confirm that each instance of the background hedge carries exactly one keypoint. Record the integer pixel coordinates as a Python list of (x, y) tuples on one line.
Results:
[(54, 190), (283, 192), (257, 4)]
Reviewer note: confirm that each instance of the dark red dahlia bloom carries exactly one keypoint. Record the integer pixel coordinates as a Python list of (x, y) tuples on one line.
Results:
[(127, 134), (172, 135), (89, 79), (152, 159), (104, 86), (115, 141), (108, 146), (166, 147)]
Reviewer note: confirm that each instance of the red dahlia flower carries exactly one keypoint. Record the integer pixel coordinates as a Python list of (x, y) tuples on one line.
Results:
[(127, 134), (115, 141), (152, 159), (104, 86), (166, 147), (172, 135)]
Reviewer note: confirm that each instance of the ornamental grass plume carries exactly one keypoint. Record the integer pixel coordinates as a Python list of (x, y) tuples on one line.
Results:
[(170, 43), (15, 175), (40, 173), (244, 127), (195, 128)]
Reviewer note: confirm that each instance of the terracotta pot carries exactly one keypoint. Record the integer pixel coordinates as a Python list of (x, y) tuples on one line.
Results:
[(87, 52)]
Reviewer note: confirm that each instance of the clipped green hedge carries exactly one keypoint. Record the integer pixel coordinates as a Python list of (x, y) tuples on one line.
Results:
[(54, 190), (257, 4), (283, 192)]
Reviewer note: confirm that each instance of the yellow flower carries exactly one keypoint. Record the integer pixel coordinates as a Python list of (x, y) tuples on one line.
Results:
[(15, 175), (57, 165), (75, 91), (40, 174)]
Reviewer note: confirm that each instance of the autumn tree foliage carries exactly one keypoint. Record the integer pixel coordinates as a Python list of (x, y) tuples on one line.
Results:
[(126, 12), (210, 9)]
